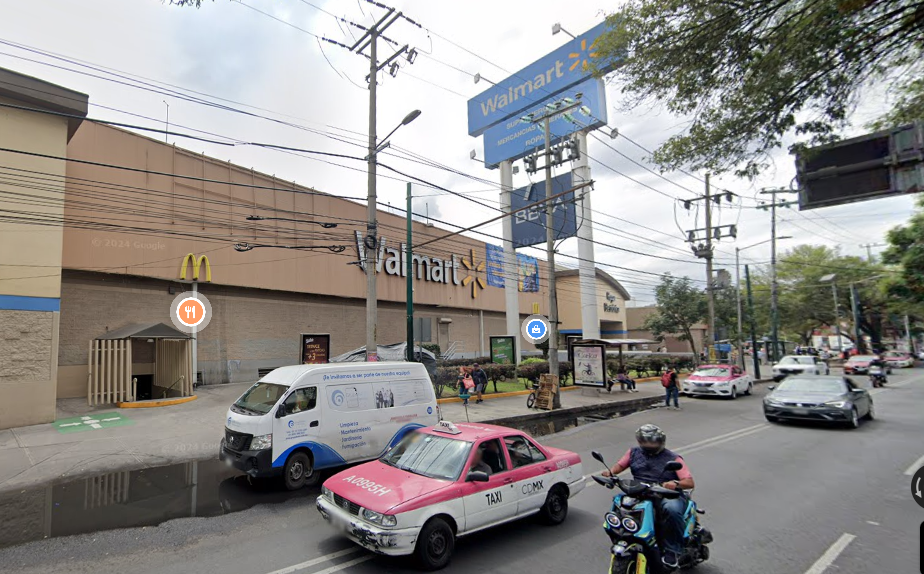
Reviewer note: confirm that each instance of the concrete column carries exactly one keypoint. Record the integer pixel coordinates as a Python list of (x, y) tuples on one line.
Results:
[(511, 293), (590, 322)]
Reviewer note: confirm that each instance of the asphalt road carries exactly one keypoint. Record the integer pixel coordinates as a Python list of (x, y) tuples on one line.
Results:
[(785, 499)]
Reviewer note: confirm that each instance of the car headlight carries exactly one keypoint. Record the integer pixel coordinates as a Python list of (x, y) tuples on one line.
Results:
[(773, 402), (261, 442), (326, 493), (379, 518), (836, 404)]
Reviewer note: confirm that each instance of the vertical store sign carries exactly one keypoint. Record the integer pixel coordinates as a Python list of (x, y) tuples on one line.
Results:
[(502, 350), (315, 349)]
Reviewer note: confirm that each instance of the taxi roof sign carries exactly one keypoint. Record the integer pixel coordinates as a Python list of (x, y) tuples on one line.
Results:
[(447, 427)]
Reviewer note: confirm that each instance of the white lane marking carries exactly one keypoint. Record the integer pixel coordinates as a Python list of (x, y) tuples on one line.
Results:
[(872, 522), (319, 559), (712, 441), (914, 466), (346, 565), (831, 554), (729, 439)]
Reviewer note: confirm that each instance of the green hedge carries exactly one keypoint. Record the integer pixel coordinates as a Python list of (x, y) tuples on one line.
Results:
[(445, 381)]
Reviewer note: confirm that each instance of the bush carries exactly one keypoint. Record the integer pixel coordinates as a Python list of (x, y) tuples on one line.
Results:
[(532, 361), (465, 362), (433, 348), (499, 372), (444, 378)]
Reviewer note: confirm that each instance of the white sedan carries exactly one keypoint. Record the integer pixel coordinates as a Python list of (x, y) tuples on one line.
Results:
[(718, 380), (799, 365)]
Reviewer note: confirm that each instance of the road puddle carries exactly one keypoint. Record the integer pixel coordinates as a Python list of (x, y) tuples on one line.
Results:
[(128, 499)]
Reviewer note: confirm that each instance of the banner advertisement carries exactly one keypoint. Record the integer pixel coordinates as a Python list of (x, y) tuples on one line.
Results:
[(315, 349), (529, 224), (503, 350), (589, 365)]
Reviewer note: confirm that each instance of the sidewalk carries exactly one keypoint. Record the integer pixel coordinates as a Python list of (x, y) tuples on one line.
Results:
[(81, 442)]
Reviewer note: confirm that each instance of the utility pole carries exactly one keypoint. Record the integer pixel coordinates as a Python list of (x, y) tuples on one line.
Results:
[(710, 292), (738, 305), (705, 250), (370, 38), (774, 287), (550, 252), (869, 250), (854, 304), (553, 109), (372, 236), (409, 264), (837, 316), (747, 278)]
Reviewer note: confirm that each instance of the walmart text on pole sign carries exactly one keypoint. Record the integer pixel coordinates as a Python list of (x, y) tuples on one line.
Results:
[(557, 71)]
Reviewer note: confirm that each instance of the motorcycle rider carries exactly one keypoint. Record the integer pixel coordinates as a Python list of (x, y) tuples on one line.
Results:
[(647, 462), (878, 362)]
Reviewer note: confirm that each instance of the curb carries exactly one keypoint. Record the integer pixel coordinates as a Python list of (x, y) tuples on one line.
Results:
[(156, 403), (634, 405), (572, 387)]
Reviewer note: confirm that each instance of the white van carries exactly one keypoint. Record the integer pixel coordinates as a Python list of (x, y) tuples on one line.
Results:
[(300, 419)]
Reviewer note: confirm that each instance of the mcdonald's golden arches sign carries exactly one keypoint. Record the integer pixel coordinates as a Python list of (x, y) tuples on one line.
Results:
[(197, 266)]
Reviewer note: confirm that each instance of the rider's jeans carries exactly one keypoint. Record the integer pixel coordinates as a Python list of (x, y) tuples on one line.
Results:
[(671, 512)]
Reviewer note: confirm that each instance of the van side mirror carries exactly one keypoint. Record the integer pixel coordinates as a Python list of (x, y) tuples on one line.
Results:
[(477, 476), (281, 411)]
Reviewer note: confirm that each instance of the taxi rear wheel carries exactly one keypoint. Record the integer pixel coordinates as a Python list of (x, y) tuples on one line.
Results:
[(555, 509), (435, 544)]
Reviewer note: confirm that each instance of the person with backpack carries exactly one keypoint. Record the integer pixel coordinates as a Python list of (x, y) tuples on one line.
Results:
[(669, 382)]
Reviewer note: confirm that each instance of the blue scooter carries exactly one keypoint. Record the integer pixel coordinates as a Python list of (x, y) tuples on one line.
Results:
[(630, 524)]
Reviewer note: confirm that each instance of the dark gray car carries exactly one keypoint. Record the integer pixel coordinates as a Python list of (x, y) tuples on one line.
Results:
[(829, 399)]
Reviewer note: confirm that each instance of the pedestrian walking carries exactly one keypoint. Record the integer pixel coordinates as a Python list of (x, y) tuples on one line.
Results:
[(669, 382), (466, 385), (481, 381)]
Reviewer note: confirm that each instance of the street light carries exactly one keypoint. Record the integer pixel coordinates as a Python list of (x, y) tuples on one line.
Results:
[(323, 224), (556, 28), (738, 297), (479, 77), (244, 246)]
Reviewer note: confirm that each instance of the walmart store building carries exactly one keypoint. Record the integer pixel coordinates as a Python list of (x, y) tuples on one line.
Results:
[(132, 210)]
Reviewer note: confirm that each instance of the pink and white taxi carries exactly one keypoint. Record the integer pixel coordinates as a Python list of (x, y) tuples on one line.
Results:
[(445, 481)]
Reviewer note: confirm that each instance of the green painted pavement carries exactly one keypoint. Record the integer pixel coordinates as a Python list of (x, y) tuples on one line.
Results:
[(91, 422)]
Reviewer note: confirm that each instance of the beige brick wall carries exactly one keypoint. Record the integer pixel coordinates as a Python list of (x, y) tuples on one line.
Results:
[(250, 329), (28, 367)]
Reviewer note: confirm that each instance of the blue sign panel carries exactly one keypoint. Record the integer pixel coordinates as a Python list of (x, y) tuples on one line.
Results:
[(723, 347), (513, 139), (494, 256), (527, 269), (529, 224), (545, 77)]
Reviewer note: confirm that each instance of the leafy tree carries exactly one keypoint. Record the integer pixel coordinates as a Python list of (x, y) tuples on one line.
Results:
[(906, 250), (749, 73), (680, 306)]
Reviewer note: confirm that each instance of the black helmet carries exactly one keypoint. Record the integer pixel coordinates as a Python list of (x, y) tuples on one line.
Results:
[(651, 434)]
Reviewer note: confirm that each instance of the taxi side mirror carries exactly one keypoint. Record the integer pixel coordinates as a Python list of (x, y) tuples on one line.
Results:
[(477, 476)]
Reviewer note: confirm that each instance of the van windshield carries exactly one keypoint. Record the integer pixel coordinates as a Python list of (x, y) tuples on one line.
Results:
[(429, 455), (260, 398)]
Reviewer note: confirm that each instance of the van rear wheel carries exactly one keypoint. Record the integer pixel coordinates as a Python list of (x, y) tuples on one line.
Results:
[(299, 472)]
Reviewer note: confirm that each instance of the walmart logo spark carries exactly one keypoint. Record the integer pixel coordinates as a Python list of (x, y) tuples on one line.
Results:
[(475, 281), (580, 58)]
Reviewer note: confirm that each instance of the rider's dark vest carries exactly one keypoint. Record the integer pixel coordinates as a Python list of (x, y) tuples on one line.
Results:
[(648, 468)]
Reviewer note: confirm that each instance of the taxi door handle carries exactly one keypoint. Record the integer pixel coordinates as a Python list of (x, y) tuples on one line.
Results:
[(548, 468), (508, 481), (313, 424)]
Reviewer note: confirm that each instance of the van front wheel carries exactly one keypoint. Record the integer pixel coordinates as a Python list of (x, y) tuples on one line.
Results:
[(299, 472)]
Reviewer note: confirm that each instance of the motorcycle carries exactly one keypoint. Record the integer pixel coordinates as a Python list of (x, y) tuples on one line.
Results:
[(630, 524), (877, 376)]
